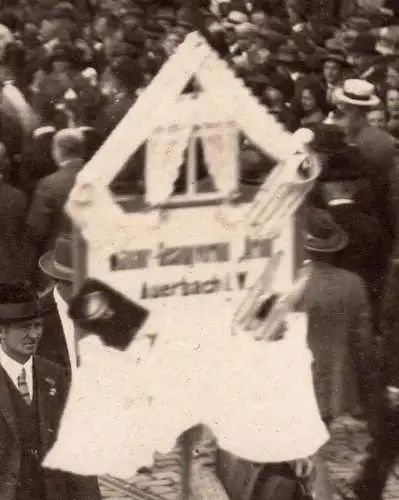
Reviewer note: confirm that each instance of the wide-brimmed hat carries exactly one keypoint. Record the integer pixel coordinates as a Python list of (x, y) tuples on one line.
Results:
[(18, 303), (58, 262), (335, 55), (328, 139), (357, 92), (322, 234)]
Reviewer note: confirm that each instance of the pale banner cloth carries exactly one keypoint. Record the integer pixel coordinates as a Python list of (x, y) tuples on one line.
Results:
[(128, 404), (220, 150), (165, 150)]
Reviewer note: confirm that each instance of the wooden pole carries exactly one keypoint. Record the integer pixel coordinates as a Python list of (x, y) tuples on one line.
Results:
[(79, 254)]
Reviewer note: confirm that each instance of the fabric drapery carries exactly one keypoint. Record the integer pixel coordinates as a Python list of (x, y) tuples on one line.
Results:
[(165, 153), (220, 149)]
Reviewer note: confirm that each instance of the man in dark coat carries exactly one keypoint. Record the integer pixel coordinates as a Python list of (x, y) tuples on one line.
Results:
[(46, 218), (33, 392), (384, 448), (378, 153), (13, 204), (58, 340)]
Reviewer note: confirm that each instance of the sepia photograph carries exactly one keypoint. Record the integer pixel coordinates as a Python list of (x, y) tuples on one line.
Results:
[(199, 249)]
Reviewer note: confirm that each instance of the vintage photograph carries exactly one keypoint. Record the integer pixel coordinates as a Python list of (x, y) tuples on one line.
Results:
[(199, 249)]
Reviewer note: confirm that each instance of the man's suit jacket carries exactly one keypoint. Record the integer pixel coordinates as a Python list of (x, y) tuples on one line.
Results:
[(51, 391), (52, 345), (340, 338), (46, 218), (13, 250)]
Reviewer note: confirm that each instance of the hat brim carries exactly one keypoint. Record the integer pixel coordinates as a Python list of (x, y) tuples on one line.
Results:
[(372, 101), (58, 273), (10, 313), (335, 244), (385, 51), (340, 60)]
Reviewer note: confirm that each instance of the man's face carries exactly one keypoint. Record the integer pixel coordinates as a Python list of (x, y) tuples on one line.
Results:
[(332, 72), (376, 118), (393, 101), (20, 339), (392, 78), (244, 42), (360, 62), (47, 30)]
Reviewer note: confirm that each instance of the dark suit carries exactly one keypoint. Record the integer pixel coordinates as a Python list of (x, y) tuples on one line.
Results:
[(13, 250), (340, 338), (50, 393), (111, 114), (46, 218), (52, 345)]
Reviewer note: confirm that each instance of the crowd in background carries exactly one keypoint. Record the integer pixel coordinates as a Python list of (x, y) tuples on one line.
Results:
[(69, 71)]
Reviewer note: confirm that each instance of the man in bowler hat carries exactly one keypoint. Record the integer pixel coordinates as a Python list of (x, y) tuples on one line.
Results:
[(33, 392)]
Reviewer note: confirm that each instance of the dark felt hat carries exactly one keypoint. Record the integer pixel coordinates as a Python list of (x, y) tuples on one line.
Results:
[(322, 234), (18, 303), (57, 263), (364, 43), (328, 139)]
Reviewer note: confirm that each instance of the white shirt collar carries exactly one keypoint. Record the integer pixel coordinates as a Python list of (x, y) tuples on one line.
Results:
[(13, 369)]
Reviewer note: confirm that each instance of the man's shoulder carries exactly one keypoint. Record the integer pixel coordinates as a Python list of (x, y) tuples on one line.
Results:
[(375, 136), (48, 367), (340, 278)]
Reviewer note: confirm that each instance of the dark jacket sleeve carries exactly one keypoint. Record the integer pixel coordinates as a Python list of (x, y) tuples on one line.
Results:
[(390, 324), (40, 216)]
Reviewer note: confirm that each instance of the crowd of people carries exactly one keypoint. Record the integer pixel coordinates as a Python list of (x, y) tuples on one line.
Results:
[(69, 72)]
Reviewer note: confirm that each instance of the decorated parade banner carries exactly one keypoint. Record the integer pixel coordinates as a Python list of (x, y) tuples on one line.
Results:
[(203, 263)]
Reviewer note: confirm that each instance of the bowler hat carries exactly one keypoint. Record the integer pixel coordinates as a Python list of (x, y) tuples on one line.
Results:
[(57, 263), (17, 303), (322, 234)]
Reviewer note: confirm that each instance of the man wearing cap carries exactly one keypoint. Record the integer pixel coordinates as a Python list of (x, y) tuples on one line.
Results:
[(33, 392)]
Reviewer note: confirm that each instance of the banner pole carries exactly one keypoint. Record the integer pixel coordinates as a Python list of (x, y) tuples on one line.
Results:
[(79, 255)]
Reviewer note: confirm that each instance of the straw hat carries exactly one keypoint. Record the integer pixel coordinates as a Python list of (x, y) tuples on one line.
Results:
[(357, 92)]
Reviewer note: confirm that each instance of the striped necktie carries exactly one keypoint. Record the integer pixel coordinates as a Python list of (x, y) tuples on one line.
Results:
[(23, 387)]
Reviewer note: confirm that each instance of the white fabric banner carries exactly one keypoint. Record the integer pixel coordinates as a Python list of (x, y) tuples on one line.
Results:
[(165, 153), (221, 156), (244, 390)]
